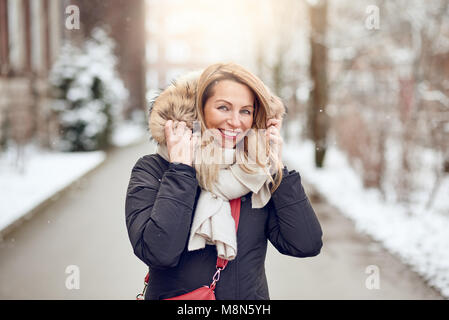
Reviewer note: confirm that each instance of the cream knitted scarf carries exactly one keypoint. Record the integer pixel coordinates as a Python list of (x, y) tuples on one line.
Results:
[(212, 221)]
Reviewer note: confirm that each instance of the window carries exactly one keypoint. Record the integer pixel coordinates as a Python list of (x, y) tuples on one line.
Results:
[(37, 41), (16, 35), (152, 79), (177, 52), (152, 52)]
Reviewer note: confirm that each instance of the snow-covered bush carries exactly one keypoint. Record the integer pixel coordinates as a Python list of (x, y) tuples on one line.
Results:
[(89, 93)]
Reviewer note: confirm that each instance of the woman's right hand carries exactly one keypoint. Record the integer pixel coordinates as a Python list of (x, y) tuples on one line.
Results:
[(180, 142)]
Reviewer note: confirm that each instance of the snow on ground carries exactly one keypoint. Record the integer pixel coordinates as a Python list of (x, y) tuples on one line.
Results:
[(128, 133), (42, 174), (420, 239)]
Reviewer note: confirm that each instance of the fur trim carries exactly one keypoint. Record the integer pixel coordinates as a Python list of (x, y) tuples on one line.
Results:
[(177, 102)]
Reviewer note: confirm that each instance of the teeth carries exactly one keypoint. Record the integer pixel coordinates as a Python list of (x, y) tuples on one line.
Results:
[(230, 133)]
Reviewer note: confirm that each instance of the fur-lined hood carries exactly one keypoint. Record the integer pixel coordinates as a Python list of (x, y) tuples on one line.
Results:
[(177, 102)]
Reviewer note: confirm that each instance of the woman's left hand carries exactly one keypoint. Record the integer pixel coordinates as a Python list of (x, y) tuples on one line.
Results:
[(274, 135)]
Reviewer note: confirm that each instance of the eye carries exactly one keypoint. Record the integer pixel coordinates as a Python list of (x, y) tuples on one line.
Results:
[(221, 107), (248, 112)]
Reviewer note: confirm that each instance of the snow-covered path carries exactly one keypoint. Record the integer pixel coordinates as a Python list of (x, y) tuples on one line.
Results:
[(417, 236), (46, 174), (84, 230), (346, 268)]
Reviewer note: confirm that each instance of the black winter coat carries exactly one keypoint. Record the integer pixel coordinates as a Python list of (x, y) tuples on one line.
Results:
[(160, 202)]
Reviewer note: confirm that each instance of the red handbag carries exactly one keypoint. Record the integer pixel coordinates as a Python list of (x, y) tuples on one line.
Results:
[(205, 292)]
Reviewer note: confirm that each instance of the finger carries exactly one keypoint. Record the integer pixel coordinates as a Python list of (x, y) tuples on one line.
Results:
[(276, 140), (273, 137), (276, 135), (273, 130), (277, 126), (187, 134), (273, 121), (194, 141), (181, 128), (168, 128)]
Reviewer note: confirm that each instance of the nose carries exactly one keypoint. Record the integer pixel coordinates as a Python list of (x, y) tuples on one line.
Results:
[(234, 120)]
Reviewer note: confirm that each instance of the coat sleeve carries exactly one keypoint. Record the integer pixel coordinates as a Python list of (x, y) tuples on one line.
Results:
[(159, 210), (292, 227)]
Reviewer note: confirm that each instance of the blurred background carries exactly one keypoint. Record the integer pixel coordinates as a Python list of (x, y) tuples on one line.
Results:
[(366, 84)]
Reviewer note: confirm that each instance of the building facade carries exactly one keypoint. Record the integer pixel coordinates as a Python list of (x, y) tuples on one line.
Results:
[(30, 38), (31, 35), (125, 22)]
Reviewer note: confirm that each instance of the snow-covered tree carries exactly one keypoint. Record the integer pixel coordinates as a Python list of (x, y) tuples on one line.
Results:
[(89, 93), (388, 83)]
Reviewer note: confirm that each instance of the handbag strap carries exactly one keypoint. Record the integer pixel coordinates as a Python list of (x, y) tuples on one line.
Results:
[(235, 212), (221, 263)]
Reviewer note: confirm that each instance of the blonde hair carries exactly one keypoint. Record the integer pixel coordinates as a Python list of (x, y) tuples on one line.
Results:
[(266, 106)]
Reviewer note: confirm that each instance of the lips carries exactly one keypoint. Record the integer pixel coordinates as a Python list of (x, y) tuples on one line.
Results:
[(229, 134)]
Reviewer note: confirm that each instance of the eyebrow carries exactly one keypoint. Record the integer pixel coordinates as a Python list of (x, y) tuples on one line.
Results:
[(223, 100)]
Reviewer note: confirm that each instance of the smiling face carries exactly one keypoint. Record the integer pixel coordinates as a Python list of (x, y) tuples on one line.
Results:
[(229, 112)]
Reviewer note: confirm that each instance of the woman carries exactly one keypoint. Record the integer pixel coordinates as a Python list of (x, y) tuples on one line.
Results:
[(210, 152)]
